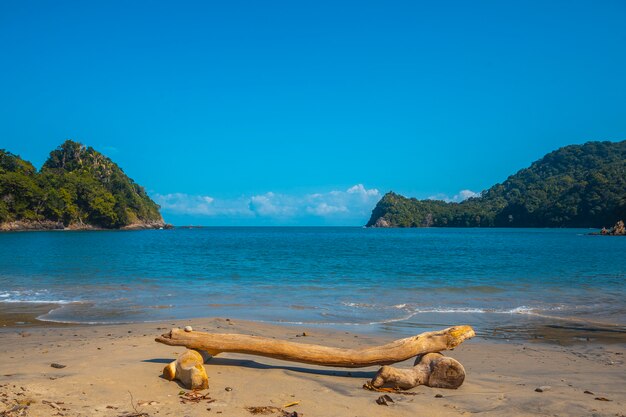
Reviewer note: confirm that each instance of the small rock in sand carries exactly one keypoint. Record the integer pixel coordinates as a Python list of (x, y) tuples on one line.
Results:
[(384, 400), (543, 388), (188, 329), (57, 365)]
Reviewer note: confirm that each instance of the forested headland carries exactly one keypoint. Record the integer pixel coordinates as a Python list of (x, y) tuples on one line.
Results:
[(574, 186), (77, 188)]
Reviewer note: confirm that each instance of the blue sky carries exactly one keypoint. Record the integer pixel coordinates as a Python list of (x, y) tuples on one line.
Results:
[(244, 113)]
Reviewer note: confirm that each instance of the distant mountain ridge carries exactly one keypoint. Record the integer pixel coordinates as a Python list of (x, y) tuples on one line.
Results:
[(77, 188), (574, 186)]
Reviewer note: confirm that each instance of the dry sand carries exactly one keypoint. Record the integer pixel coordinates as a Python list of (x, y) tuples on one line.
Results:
[(104, 365)]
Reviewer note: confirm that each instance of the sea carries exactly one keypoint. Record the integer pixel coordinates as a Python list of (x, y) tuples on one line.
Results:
[(507, 283)]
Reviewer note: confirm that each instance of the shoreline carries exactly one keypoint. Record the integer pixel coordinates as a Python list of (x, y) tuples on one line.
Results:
[(54, 226), (536, 329), (104, 363), (17, 315)]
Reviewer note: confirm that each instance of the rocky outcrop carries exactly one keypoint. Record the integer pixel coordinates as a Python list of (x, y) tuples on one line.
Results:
[(381, 222), (31, 225), (44, 225), (617, 230), (158, 224)]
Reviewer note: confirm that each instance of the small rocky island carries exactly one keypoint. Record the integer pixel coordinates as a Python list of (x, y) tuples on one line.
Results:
[(77, 188), (617, 230)]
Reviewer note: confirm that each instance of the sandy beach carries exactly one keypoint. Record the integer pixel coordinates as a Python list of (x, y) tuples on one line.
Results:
[(113, 370)]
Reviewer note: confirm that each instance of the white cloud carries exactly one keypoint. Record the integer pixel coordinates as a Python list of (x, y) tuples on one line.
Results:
[(457, 198), (185, 203), (271, 205), (203, 205), (440, 196), (324, 209), (360, 189), (356, 201), (465, 194)]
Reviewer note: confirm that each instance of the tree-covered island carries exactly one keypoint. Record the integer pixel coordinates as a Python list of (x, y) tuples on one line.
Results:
[(574, 186), (77, 188)]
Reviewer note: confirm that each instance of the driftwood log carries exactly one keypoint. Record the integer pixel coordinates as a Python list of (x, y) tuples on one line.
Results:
[(432, 369), (397, 351), (188, 370)]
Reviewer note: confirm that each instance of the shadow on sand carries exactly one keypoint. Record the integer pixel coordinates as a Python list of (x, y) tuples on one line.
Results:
[(251, 364)]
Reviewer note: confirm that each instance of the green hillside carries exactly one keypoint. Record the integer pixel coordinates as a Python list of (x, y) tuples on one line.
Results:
[(574, 186), (77, 187)]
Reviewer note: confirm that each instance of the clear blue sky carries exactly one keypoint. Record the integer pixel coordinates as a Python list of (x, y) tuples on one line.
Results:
[(269, 112)]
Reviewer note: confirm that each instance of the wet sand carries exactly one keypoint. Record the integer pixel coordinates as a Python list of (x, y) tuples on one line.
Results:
[(106, 365), (20, 315)]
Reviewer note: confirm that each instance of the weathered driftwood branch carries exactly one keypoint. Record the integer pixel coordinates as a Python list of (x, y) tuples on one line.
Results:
[(188, 370), (393, 352), (432, 369)]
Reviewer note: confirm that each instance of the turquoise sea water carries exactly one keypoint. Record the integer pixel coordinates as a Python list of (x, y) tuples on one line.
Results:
[(398, 280)]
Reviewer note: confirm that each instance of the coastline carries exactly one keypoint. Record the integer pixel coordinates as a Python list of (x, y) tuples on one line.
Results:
[(48, 226), (106, 362), (25, 315), (535, 329)]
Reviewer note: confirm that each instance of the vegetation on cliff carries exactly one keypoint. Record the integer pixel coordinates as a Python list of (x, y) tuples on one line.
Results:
[(76, 187), (574, 186)]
